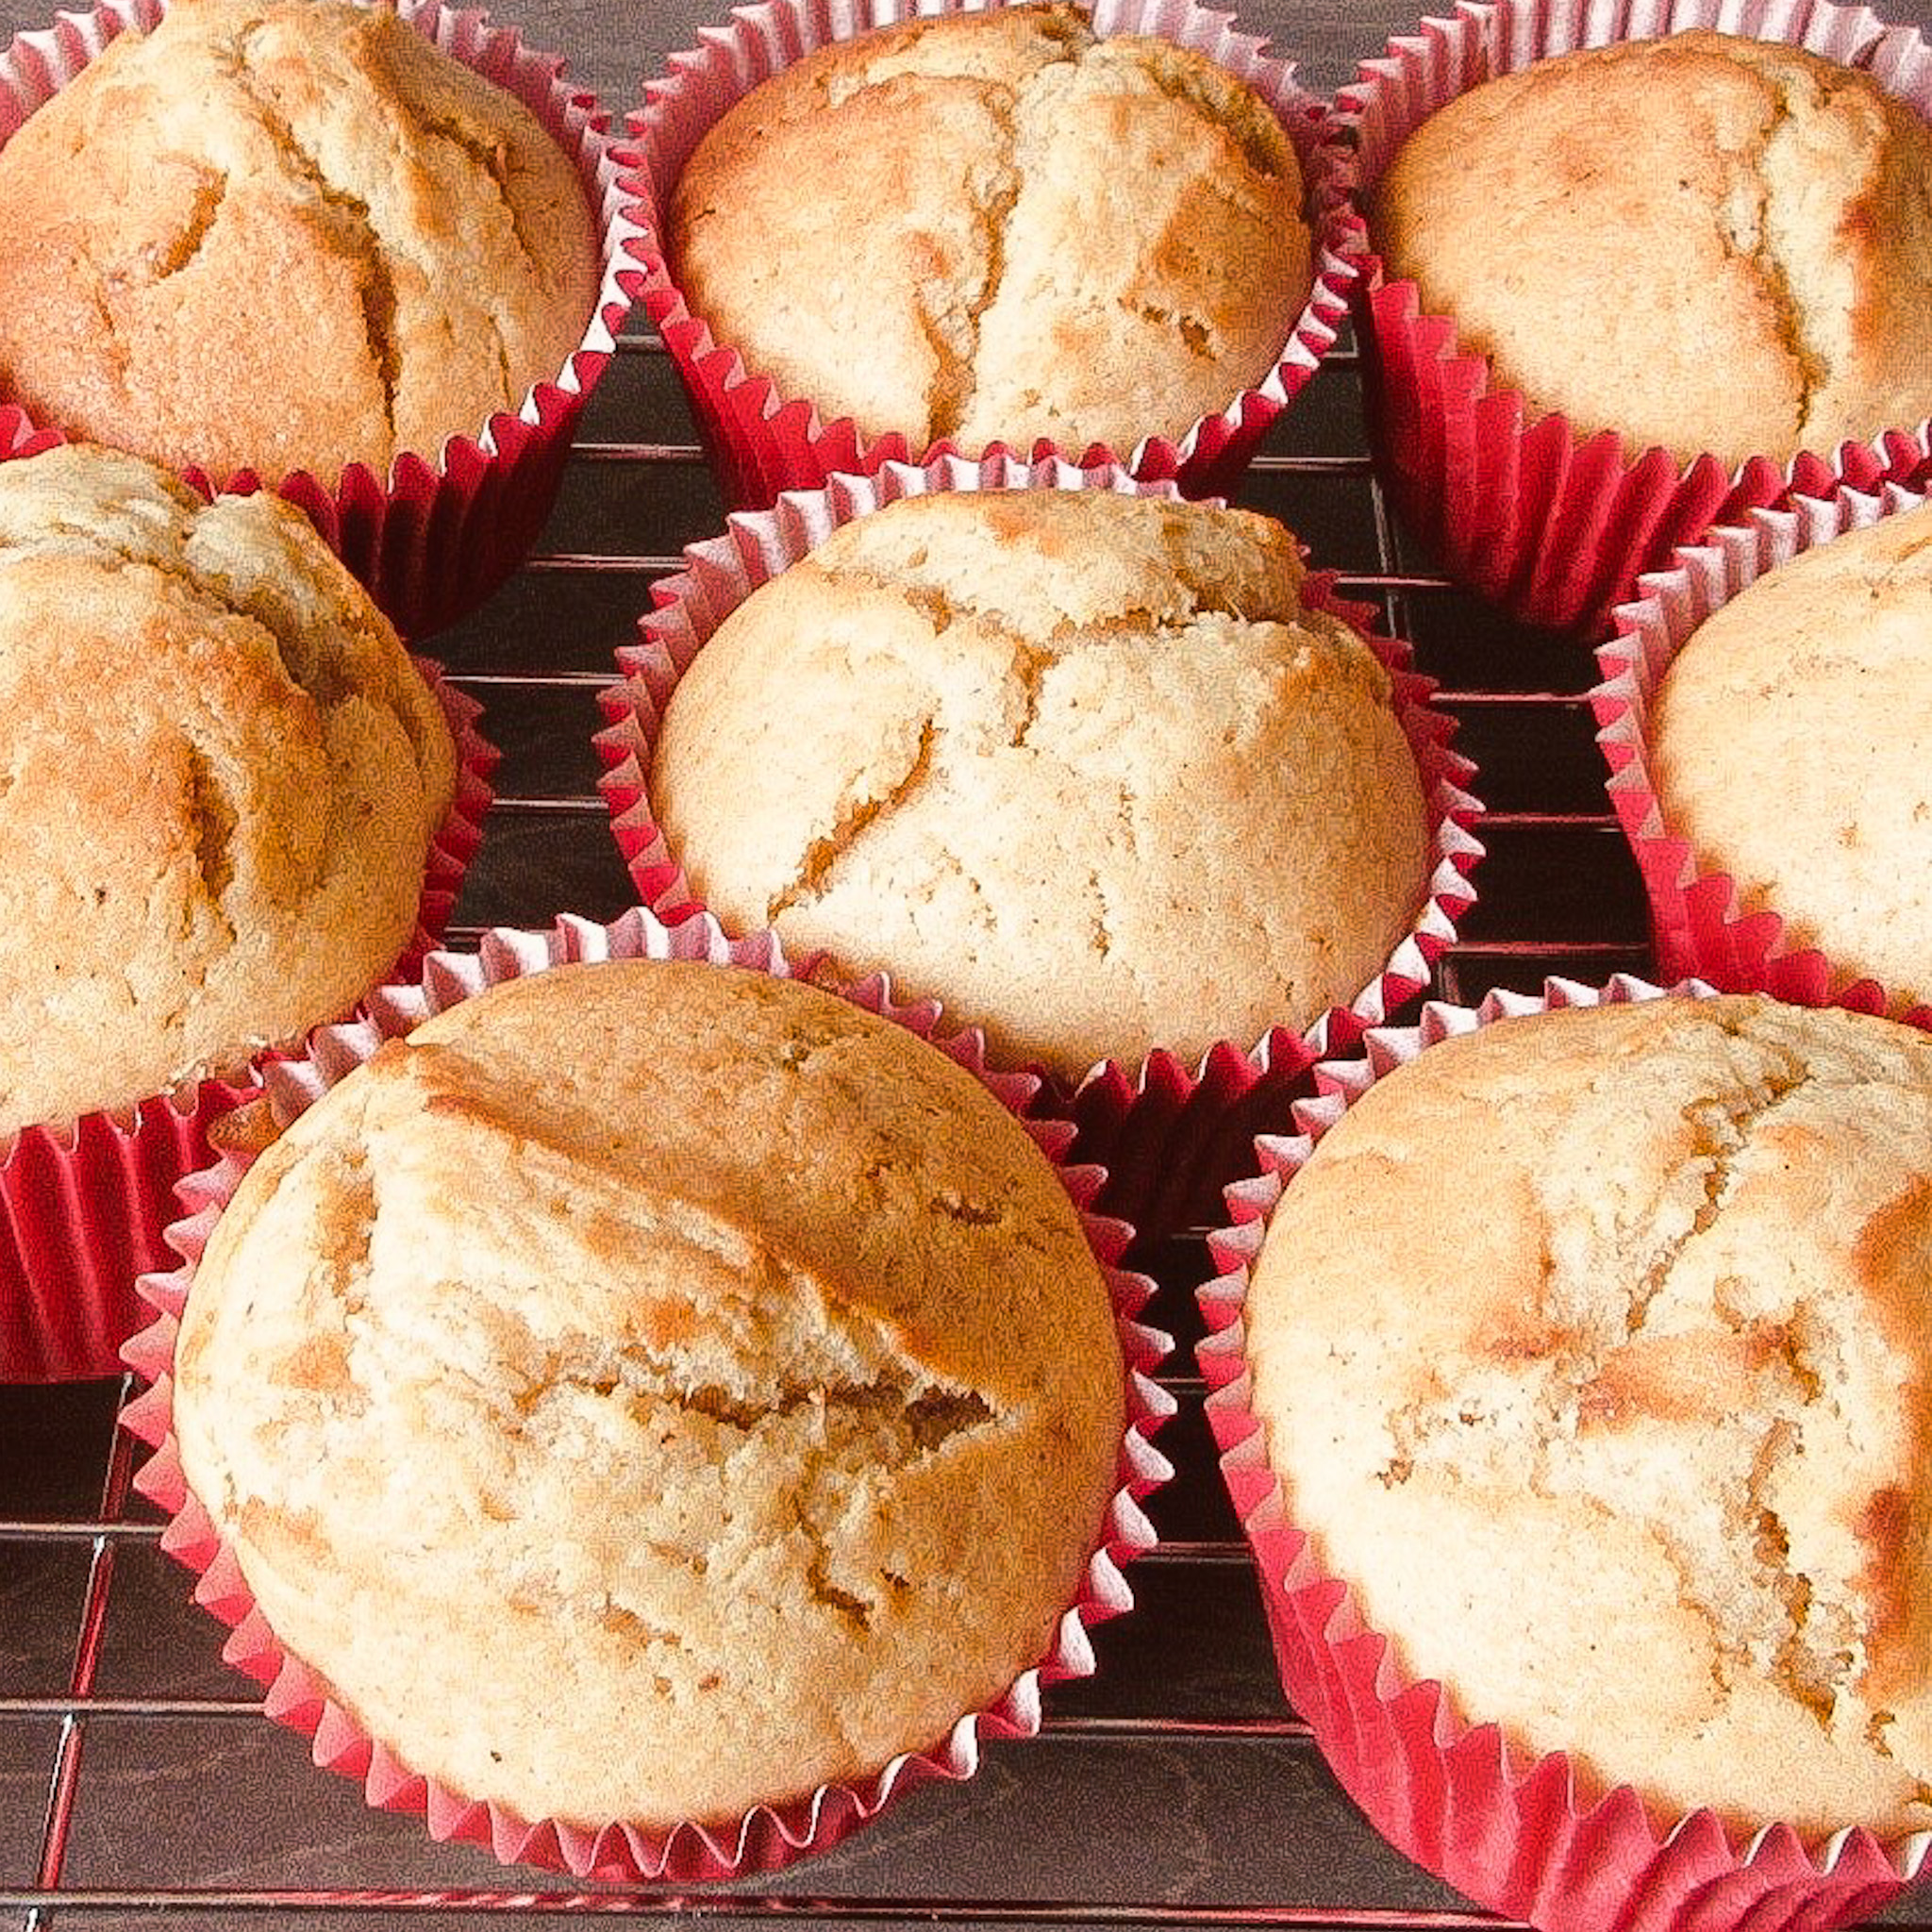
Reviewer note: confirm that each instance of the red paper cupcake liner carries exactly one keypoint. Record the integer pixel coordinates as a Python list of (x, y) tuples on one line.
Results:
[(1700, 920), (1553, 525), (760, 442), (1530, 1838), (435, 536), (769, 1835), (84, 1206), (1154, 1125)]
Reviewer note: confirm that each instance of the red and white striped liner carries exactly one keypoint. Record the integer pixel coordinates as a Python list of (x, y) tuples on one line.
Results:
[(1699, 920), (1529, 1839), (1152, 1126), (1553, 525), (84, 1203), (760, 442), (443, 528), (767, 1837)]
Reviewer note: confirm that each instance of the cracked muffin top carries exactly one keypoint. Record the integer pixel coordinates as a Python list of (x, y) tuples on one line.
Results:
[(222, 775), (1591, 1350), (1010, 229), (653, 1389), (1081, 765), (1703, 243), (1809, 687), (274, 237)]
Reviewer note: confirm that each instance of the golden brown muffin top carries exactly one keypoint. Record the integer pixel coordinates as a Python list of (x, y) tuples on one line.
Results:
[(651, 1390), (222, 776), (1591, 1350), (997, 227), (1081, 765), (280, 235), (1790, 742), (1706, 242)]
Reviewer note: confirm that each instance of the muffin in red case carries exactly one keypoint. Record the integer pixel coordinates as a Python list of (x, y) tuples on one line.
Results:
[(762, 440), (84, 1203), (1553, 523), (436, 529), (1199, 881), (1828, 884), (1535, 1829), (767, 1834), (91, 1158)]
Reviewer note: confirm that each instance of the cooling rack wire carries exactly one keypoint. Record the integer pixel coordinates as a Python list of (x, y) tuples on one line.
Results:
[(141, 1786)]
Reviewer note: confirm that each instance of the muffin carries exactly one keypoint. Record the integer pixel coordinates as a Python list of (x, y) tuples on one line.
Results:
[(1705, 241), (1017, 748), (1636, 285), (1624, 1454), (1782, 661), (225, 788), (1015, 232), (309, 244), (652, 1391), (278, 235), (226, 777)]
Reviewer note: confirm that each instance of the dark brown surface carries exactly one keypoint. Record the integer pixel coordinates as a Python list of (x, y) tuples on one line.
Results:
[(139, 1784)]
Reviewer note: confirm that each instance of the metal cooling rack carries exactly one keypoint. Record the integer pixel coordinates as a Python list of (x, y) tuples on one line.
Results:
[(138, 1781), (140, 1784)]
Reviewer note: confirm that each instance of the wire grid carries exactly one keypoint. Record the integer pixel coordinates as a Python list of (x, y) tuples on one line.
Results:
[(113, 1826)]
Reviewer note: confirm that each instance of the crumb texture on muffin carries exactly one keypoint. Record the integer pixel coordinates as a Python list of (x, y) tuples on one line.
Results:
[(1591, 1350), (1010, 229), (1809, 688), (277, 237), (1082, 765), (1705, 242), (654, 1389), (221, 780)]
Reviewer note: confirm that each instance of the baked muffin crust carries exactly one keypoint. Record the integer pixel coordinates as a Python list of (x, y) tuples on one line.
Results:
[(1079, 764), (1808, 688), (1010, 229), (221, 777), (653, 1390), (281, 235), (1590, 1349), (1704, 242)]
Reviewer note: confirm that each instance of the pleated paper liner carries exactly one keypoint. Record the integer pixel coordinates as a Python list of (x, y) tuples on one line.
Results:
[(433, 538), (761, 443), (1553, 525), (1531, 1838), (1702, 922), (84, 1203), (767, 1837), (1164, 1131)]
